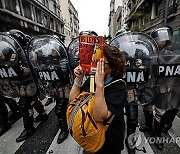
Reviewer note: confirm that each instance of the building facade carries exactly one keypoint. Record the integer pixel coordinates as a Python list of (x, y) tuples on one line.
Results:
[(71, 21), (115, 16), (36, 17), (119, 11), (145, 15)]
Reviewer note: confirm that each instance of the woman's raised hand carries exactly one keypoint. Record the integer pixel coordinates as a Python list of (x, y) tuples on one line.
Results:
[(79, 73), (99, 76)]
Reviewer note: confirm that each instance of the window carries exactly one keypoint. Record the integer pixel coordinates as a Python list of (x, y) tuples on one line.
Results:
[(10, 5), (51, 23), (154, 10), (33, 14), (38, 15), (27, 9), (172, 7), (55, 9), (45, 21), (1, 4), (172, 2), (46, 3)]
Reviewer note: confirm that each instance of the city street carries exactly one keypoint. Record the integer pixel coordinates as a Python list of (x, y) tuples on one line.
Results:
[(44, 139), (43, 42)]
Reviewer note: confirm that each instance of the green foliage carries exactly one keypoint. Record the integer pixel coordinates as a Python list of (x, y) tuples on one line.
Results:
[(138, 15), (137, 28)]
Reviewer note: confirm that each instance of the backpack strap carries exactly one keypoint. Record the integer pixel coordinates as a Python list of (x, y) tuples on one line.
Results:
[(77, 107), (114, 82), (81, 103)]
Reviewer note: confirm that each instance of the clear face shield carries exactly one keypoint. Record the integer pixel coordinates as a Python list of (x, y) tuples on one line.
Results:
[(163, 37), (138, 49), (9, 50), (15, 73), (49, 59), (46, 53), (73, 51)]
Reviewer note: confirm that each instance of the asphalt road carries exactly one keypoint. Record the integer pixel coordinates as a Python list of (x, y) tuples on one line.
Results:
[(44, 139)]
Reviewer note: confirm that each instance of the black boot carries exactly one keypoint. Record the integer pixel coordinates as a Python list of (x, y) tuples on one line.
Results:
[(147, 126), (132, 116), (62, 135), (29, 129), (4, 124), (60, 111), (158, 126), (169, 118)]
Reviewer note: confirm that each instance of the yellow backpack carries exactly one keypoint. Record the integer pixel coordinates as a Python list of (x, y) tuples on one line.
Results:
[(87, 132)]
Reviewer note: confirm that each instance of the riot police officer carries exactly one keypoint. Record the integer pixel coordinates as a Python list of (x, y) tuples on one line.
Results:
[(19, 82), (166, 86), (24, 39), (49, 59), (137, 48)]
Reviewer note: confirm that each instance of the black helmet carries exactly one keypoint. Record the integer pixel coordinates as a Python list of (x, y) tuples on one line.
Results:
[(163, 34), (73, 51), (88, 32), (22, 38), (122, 31), (7, 53)]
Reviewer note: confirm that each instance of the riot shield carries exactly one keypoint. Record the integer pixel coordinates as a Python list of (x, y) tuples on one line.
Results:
[(138, 49), (49, 59), (15, 74), (166, 74), (73, 51)]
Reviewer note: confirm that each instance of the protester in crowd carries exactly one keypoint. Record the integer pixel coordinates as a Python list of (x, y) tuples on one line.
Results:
[(107, 101)]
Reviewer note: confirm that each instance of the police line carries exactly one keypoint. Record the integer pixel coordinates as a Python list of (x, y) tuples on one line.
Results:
[(134, 76)]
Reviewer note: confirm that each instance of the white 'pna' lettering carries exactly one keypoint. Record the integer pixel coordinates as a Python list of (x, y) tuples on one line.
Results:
[(170, 70), (5, 73), (50, 76), (134, 76)]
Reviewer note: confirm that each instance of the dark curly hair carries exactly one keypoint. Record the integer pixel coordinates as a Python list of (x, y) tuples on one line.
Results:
[(116, 60)]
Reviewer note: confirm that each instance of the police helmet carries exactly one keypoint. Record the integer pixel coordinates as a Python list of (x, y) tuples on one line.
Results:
[(21, 37), (73, 48), (122, 31), (163, 34), (8, 54), (88, 32)]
